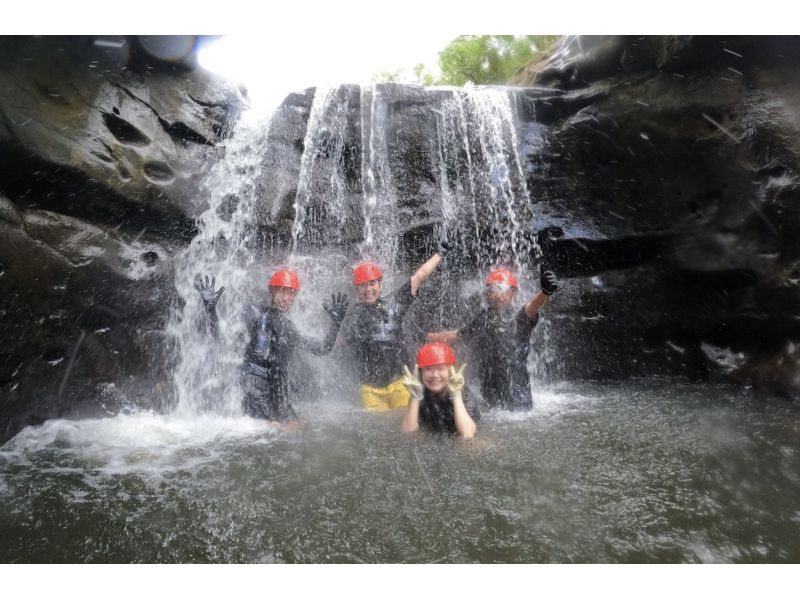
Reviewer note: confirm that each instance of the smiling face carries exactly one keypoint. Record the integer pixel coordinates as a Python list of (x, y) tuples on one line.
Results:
[(282, 297), (369, 292), (435, 378), (499, 296)]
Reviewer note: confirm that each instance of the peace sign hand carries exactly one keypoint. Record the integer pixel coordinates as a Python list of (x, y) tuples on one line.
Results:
[(456, 382), (412, 383)]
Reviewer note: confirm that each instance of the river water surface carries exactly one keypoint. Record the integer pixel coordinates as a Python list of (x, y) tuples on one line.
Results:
[(642, 471)]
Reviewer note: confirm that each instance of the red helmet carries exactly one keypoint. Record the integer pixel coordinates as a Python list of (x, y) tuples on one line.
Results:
[(435, 354), (366, 272), (502, 275), (285, 278)]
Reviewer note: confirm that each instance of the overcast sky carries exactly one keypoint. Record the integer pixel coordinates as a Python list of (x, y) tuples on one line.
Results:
[(278, 47), (271, 66)]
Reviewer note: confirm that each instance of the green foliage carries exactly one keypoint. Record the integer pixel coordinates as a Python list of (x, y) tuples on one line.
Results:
[(422, 76), (417, 75), (488, 59), (478, 59), (387, 76)]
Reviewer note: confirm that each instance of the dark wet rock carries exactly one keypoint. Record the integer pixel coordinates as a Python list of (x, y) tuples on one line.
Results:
[(104, 143), (773, 374), (144, 133), (83, 309), (688, 148)]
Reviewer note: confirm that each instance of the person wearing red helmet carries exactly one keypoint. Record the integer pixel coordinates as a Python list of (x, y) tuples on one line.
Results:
[(499, 338), (439, 402), (272, 340), (373, 331)]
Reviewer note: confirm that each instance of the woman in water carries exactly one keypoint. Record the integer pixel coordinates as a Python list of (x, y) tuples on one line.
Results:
[(438, 400)]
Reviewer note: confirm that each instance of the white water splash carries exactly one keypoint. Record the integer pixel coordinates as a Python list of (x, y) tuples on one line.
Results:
[(206, 378), (144, 442)]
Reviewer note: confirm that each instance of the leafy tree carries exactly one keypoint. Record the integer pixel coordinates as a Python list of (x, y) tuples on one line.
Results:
[(478, 59), (416, 75), (422, 76), (488, 59), (387, 76)]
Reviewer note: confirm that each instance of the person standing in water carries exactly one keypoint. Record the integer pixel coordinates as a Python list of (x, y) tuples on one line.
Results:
[(272, 340), (499, 337), (439, 402), (373, 332)]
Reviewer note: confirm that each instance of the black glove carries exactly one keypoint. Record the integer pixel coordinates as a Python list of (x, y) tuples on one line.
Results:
[(549, 282), (207, 292), (549, 234), (443, 248), (337, 308)]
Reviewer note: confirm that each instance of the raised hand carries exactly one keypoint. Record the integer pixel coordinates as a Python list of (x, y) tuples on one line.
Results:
[(412, 383), (207, 292), (456, 382), (337, 308), (549, 282), (443, 248)]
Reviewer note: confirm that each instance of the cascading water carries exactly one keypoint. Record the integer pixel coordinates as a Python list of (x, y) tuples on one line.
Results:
[(206, 375), (486, 205), (380, 201), (484, 208), (480, 201), (314, 147), (487, 202)]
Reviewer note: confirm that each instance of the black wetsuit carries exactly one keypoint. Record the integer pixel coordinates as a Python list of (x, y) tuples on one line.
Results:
[(501, 344), (273, 339), (437, 415), (374, 335)]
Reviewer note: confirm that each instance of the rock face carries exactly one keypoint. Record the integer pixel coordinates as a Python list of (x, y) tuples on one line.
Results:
[(688, 145), (421, 155), (144, 129), (103, 144)]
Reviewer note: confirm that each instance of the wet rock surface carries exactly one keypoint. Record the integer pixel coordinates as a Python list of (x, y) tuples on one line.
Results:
[(689, 146), (143, 128), (386, 142), (103, 147)]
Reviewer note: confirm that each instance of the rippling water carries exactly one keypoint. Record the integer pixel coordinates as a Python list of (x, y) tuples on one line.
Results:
[(637, 472)]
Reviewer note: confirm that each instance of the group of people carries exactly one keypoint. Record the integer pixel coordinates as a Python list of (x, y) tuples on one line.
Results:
[(434, 394)]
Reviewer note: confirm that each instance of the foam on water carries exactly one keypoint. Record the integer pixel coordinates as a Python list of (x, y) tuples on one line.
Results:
[(142, 442), (623, 472), (150, 442)]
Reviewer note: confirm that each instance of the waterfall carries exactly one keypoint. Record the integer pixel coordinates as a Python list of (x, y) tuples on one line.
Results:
[(380, 200), (352, 201), (486, 205), (484, 196), (315, 146), (205, 379)]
